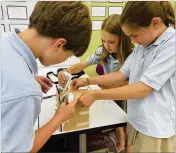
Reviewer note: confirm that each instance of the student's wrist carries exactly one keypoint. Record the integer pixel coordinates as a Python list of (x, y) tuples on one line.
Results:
[(87, 81), (57, 120), (96, 94), (68, 70)]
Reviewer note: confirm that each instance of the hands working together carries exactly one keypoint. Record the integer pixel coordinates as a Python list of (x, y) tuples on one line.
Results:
[(65, 111), (87, 98)]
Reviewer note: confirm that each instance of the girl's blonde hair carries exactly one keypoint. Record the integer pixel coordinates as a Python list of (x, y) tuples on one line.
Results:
[(112, 25)]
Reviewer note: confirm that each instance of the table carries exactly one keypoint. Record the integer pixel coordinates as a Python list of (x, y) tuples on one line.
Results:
[(103, 114)]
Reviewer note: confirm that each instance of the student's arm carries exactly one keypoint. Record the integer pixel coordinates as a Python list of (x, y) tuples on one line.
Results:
[(110, 78), (123, 83), (131, 91), (42, 135), (116, 78), (76, 68)]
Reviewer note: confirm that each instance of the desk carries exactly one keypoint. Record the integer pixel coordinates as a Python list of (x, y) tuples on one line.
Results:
[(103, 114)]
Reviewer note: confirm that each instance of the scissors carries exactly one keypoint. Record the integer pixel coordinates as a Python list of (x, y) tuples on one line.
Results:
[(54, 79)]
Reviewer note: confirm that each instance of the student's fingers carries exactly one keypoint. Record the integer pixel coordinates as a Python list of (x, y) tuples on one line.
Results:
[(74, 102), (49, 83), (43, 80), (79, 99), (45, 86), (85, 99), (44, 91), (64, 103), (61, 77), (73, 85)]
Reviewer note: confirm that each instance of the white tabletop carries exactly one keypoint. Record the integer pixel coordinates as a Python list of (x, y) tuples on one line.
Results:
[(101, 113)]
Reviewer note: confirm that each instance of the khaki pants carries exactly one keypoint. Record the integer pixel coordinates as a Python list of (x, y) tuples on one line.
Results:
[(143, 143)]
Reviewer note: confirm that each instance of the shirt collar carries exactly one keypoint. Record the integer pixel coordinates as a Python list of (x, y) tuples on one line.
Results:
[(112, 58), (23, 50), (168, 33)]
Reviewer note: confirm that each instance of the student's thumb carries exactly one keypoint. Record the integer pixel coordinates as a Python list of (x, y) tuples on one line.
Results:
[(75, 101), (64, 103), (73, 85)]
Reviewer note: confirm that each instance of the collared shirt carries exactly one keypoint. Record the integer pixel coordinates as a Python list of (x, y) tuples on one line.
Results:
[(21, 95), (154, 65), (111, 65)]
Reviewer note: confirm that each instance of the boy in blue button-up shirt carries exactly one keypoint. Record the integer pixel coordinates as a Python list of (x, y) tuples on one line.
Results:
[(56, 31)]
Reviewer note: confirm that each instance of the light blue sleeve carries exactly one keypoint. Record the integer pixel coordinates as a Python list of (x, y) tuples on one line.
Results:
[(125, 69), (162, 67), (95, 58), (18, 117)]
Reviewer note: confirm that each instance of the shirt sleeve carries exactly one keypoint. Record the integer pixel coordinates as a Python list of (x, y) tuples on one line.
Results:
[(18, 117), (125, 69), (162, 67), (95, 58)]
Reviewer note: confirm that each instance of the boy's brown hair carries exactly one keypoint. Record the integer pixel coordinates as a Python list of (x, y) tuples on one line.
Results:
[(141, 13), (112, 25), (70, 20)]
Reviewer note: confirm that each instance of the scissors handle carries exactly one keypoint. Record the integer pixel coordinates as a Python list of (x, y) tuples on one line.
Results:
[(49, 74)]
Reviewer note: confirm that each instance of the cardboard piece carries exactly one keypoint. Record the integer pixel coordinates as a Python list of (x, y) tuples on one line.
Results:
[(80, 118)]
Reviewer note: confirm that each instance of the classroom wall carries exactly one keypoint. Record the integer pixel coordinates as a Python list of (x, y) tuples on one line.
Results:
[(11, 17), (15, 14)]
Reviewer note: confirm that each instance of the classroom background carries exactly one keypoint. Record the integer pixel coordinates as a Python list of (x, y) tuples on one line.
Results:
[(16, 13)]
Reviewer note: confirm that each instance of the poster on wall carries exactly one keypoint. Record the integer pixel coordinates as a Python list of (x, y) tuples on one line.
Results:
[(98, 11), (17, 12), (115, 10), (21, 27), (96, 25)]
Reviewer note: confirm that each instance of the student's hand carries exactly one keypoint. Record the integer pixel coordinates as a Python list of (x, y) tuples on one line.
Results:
[(87, 98), (45, 83), (61, 77), (65, 110), (76, 83)]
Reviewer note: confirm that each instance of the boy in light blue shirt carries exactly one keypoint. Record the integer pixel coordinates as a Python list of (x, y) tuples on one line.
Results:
[(56, 31)]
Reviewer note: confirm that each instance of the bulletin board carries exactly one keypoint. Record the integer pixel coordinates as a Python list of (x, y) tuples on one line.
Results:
[(100, 9), (15, 14)]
